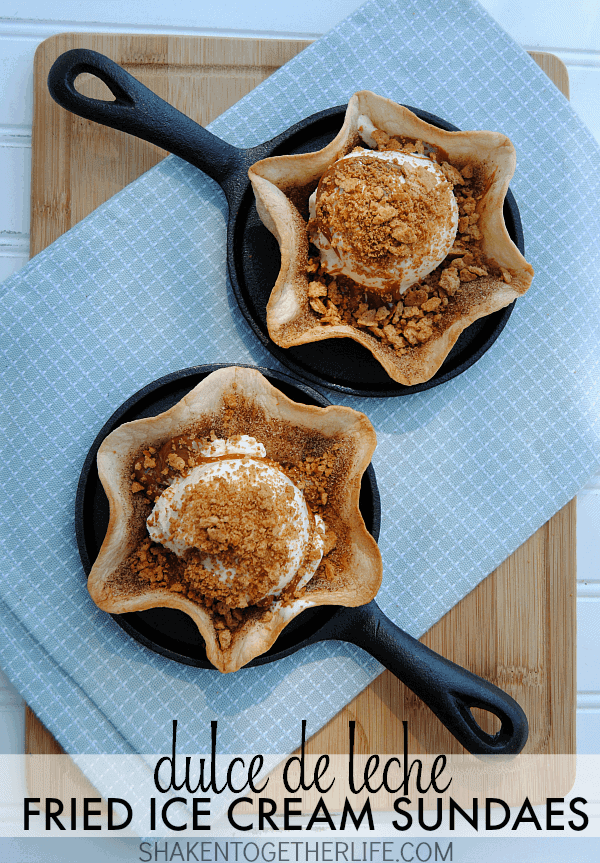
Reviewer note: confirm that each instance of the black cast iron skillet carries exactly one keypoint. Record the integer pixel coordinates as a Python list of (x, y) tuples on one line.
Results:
[(253, 257), (449, 690)]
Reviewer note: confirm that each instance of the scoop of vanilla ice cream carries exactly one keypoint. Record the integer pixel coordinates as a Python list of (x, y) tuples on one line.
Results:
[(383, 229), (175, 523)]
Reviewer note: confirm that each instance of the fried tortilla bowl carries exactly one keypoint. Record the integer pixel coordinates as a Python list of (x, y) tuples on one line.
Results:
[(282, 185), (233, 401)]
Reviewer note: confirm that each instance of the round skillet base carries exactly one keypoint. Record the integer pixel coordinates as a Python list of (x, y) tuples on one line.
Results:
[(165, 630), (341, 364)]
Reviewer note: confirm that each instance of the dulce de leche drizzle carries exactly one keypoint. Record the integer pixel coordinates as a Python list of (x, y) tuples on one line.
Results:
[(156, 469)]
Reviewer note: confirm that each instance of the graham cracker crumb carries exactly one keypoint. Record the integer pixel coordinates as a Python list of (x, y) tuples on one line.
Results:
[(254, 523), (376, 230), (382, 224)]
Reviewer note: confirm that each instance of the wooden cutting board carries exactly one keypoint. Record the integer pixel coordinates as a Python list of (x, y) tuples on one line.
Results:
[(517, 628)]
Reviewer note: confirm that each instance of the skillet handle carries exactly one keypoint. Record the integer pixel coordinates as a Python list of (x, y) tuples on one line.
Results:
[(449, 690), (140, 112)]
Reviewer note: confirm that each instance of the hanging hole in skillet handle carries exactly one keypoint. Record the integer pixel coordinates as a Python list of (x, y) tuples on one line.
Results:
[(450, 691), (138, 111), (487, 720), (92, 87)]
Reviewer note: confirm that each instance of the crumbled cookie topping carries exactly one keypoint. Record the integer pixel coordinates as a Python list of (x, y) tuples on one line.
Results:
[(379, 217), (401, 322), (247, 530), (249, 526)]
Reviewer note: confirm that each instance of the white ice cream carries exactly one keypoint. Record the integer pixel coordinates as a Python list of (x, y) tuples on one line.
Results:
[(304, 541), (403, 271)]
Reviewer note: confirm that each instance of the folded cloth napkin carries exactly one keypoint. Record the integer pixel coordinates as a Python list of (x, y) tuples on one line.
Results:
[(467, 471)]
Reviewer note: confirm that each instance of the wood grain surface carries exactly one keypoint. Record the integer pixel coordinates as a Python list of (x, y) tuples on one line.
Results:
[(517, 628)]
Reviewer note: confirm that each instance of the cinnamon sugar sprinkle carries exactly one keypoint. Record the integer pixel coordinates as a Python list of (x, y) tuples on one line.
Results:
[(383, 227)]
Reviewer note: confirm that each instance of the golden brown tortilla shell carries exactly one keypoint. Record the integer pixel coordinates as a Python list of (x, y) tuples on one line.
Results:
[(115, 588), (291, 321)]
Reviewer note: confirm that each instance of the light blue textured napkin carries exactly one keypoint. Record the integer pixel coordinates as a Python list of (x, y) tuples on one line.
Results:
[(467, 471)]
